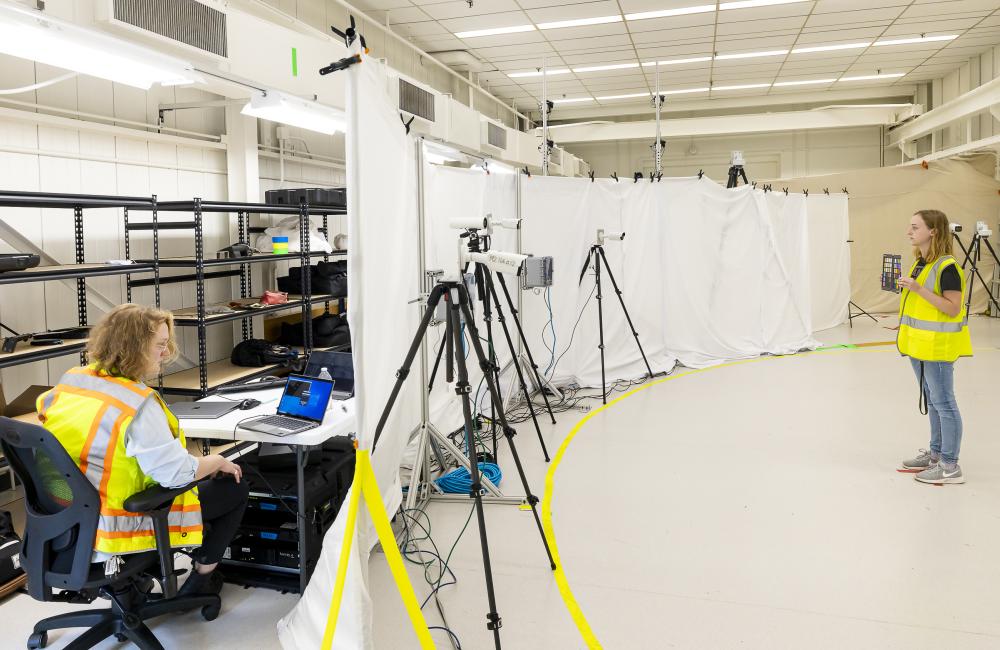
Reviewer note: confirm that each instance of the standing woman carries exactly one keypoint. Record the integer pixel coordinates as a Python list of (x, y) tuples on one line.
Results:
[(934, 333)]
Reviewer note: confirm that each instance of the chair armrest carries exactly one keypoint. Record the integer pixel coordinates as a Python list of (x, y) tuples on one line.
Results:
[(155, 497), (155, 502)]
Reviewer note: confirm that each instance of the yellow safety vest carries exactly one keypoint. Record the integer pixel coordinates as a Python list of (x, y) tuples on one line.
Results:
[(89, 412), (925, 332)]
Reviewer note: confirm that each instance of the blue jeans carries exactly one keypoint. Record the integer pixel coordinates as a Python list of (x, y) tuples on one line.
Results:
[(946, 421)]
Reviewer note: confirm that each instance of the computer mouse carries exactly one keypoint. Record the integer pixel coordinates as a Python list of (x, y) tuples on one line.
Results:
[(248, 404)]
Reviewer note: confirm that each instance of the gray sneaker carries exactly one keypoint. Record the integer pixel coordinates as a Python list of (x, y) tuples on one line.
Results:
[(938, 475), (923, 461)]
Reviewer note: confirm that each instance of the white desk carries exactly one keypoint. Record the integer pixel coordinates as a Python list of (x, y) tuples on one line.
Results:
[(339, 421)]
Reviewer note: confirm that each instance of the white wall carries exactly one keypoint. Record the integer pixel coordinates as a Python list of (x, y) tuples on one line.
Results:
[(42, 157), (979, 70), (768, 155)]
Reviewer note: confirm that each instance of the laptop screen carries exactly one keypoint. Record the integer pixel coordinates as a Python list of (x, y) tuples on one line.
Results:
[(340, 365), (305, 397)]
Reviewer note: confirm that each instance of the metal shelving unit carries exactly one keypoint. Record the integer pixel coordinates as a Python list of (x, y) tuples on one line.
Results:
[(80, 271), (211, 375)]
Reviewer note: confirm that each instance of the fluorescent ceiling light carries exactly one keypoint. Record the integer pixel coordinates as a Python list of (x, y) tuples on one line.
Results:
[(741, 87), (295, 111), (629, 96), (684, 91), (573, 100), (538, 73), (666, 13), (890, 75), (581, 22), (831, 48), (919, 39), (805, 82), (615, 66), (747, 4), (495, 31), (30, 34), (750, 55), (696, 59)]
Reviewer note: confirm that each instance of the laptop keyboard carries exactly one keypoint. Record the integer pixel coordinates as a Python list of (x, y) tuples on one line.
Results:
[(283, 422)]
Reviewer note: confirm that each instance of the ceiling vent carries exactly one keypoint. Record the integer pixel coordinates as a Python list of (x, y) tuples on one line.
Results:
[(185, 21), (416, 101)]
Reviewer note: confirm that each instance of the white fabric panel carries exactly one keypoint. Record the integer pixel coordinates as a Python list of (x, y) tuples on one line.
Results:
[(382, 279), (452, 193), (830, 259), (707, 274)]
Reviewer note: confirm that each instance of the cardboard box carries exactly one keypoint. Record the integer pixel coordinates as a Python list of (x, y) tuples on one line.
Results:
[(22, 407)]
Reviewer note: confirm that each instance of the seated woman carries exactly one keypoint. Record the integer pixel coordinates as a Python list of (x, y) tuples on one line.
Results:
[(124, 438)]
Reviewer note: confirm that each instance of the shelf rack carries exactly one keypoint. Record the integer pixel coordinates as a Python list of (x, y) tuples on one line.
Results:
[(219, 373), (80, 271)]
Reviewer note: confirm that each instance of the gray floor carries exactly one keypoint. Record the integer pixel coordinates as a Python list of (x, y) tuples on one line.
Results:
[(750, 506)]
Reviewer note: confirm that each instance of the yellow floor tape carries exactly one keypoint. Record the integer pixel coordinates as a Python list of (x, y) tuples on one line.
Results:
[(567, 594), (364, 485)]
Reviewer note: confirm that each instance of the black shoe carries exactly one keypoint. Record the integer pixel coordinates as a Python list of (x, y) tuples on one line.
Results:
[(198, 584)]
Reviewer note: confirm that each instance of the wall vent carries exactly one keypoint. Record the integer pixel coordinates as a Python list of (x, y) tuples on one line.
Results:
[(416, 100), (185, 21)]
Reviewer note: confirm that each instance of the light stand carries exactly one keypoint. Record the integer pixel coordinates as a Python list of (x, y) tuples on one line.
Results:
[(736, 170), (851, 306), (456, 298), (597, 256), (974, 255)]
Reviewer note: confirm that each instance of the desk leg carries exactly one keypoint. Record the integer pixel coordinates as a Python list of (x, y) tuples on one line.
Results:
[(302, 523)]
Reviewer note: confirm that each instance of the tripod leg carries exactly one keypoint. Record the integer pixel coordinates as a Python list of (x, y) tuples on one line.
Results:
[(976, 257), (483, 280), (600, 325), (463, 389), (508, 431), (517, 367), (404, 370), (997, 260), (627, 317), (437, 363), (524, 343)]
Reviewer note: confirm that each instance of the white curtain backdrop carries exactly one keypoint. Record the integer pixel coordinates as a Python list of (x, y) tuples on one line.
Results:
[(382, 279)]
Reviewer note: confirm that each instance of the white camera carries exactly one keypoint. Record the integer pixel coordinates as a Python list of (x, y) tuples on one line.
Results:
[(510, 224), (736, 159), (955, 227), (469, 223), (609, 235), (496, 261), (982, 229)]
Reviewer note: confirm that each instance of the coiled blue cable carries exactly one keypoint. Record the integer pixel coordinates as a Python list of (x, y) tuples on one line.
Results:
[(458, 480)]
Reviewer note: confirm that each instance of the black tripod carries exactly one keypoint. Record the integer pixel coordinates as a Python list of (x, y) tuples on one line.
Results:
[(975, 254), (596, 254), (735, 173), (456, 297)]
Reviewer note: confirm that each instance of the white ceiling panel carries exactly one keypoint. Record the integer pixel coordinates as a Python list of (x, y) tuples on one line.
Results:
[(814, 23), (483, 12)]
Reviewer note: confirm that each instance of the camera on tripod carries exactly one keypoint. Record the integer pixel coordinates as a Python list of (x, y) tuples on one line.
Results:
[(983, 230), (955, 227)]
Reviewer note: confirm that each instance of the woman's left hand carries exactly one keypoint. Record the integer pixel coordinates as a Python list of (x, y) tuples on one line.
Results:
[(909, 283)]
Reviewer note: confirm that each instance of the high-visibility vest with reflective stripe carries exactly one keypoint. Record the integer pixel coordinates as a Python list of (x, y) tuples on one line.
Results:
[(925, 332), (89, 412)]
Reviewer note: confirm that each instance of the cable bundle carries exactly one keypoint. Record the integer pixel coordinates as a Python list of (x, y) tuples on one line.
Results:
[(458, 480)]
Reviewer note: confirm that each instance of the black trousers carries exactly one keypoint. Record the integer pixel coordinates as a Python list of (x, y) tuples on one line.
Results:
[(223, 501)]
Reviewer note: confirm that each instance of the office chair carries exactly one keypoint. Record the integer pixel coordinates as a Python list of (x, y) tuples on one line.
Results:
[(62, 509)]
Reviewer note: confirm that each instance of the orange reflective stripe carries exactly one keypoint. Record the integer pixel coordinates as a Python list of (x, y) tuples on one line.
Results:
[(124, 534), (115, 512), (109, 456), (94, 427), (93, 394), (121, 381)]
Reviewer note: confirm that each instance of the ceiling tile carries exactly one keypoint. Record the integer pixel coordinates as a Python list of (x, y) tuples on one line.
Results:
[(672, 23), (587, 32), (756, 14), (573, 11), (428, 28), (763, 27), (704, 34), (483, 13), (838, 6), (939, 8), (598, 42), (848, 17)]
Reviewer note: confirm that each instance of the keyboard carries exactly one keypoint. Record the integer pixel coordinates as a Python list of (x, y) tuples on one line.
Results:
[(283, 422)]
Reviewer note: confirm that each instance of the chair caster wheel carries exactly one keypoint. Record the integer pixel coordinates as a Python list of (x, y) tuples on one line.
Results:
[(121, 636), (210, 612), (38, 640)]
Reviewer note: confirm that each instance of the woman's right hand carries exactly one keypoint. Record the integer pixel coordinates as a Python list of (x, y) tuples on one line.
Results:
[(231, 468)]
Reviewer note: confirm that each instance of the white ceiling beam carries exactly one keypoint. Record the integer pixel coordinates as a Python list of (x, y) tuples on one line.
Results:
[(728, 103), (829, 118), (991, 144), (975, 101)]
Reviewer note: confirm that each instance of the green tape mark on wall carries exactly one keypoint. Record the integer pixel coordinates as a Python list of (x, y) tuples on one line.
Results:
[(295, 62)]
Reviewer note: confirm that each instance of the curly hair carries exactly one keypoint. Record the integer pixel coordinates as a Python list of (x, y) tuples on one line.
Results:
[(119, 343), (941, 244)]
